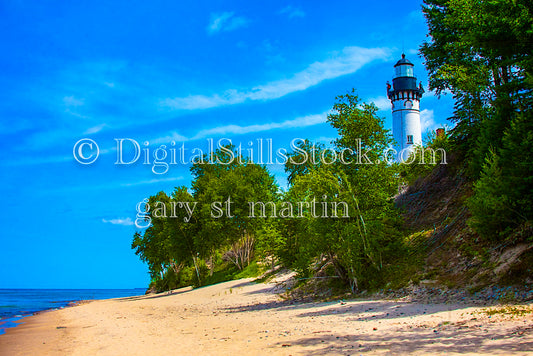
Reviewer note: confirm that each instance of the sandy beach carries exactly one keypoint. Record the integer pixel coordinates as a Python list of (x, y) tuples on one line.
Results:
[(247, 318)]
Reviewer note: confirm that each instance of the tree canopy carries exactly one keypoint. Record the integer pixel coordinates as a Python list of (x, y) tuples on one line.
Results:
[(481, 52)]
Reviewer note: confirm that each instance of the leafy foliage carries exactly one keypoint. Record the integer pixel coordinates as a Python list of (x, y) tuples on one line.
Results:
[(178, 250), (348, 219), (480, 51), (337, 212), (425, 158)]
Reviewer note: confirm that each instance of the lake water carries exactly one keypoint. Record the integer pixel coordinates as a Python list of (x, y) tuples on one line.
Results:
[(18, 303)]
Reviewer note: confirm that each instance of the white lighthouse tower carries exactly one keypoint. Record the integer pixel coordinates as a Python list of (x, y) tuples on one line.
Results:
[(405, 97)]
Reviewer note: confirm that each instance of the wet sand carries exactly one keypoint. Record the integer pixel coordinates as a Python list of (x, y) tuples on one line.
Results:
[(246, 318)]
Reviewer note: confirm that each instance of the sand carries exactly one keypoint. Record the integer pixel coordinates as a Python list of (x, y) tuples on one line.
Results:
[(246, 318)]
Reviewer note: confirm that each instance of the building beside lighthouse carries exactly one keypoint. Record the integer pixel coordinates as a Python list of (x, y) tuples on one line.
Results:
[(405, 97)]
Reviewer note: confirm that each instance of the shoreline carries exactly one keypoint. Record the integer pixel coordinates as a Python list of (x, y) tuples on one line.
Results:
[(236, 316), (20, 303), (11, 322), (39, 325), (21, 319)]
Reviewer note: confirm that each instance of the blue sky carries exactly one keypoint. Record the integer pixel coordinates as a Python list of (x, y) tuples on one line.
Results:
[(161, 72)]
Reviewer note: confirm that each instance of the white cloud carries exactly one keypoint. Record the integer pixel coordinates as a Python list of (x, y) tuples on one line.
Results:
[(94, 129), (303, 121), (428, 93), (119, 221), (226, 21), (172, 136), (382, 102), (431, 93), (71, 101), (219, 131), (193, 102), (292, 11), (68, 111), (113, 185), (427, 120), (348, 61)]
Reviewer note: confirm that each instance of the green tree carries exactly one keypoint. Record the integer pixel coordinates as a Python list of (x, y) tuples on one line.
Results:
[(361, 244), (425, 158), (307, 156), (480, 51), (168, 245), (365, 143), (225, 190), (503, 197)]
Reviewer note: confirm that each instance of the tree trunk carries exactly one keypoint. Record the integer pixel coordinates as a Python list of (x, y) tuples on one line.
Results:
[(194, 259)]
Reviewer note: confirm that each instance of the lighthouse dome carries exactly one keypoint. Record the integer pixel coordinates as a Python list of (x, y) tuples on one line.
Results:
[(403, 61), (404, 68)]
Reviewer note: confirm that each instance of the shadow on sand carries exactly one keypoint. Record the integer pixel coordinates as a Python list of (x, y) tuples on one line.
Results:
[(155, 296), (451, 339)]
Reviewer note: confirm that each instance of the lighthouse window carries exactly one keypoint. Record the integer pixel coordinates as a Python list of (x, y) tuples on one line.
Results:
[(404, 71), (409, 139)]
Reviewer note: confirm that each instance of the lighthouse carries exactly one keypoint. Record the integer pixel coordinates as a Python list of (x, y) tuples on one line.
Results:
[(405, 97)]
